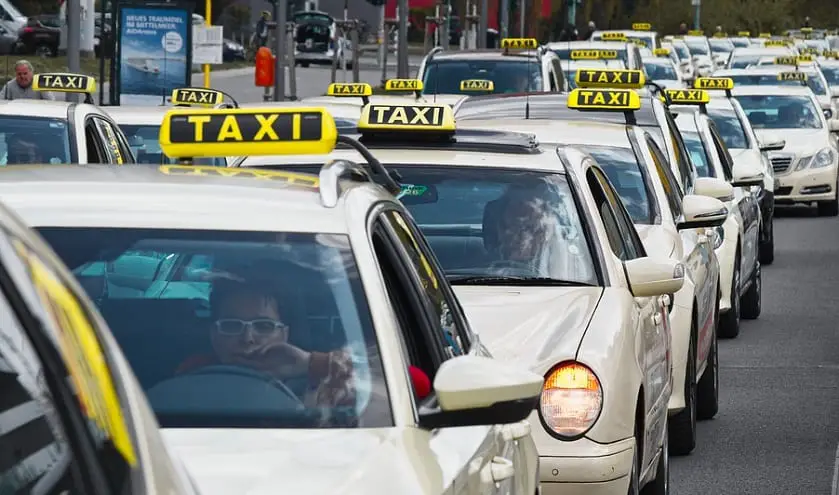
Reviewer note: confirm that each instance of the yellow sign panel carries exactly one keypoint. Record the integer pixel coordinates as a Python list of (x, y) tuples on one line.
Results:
[(696, 32), (65, 83), (593, 54), (776, 43), (716, 83), (609, 78), (806, 59), (641, 26), (519, 43), (720, 35), (687, 96), (477, 85), (623, 100), (430, 117), (82, 352), (197, 96), (349, 89), (808, 51), (786, 61), (806, 30), (247, 132), (661, 52), (613, 36), (830, 54), (792, 76), (403, 85), (744, 34), (291, 178), (764, 35)]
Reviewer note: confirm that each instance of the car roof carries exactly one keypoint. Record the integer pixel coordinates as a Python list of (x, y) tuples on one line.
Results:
[(37, 108), (769, 90), (142, 196), (628, 32), (587, 45), (581, 132), (545, 106), (482, 55), (763, 70), (761, 50), (588, 64)]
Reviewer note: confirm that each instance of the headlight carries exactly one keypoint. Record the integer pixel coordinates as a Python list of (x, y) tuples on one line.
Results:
[(571, 400), (720, 236), (823, 158)]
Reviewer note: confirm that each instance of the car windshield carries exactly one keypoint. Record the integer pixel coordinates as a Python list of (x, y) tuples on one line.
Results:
[(235, 329), (645, 40), (730, 128), (813, 81), (744, 61), (831, 73), (565, 53), (682, 51), (145, 144), (495, 222), (33, 140), (721, 46), (741, 42), (780, 112), (697, 154), (697, 47), (660, 70), (509, 75), (629, 179)]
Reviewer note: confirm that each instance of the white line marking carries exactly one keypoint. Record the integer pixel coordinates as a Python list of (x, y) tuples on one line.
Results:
[(835, 487)]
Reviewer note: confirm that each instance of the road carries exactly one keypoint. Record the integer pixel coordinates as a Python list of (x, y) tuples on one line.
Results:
[(778, 425)]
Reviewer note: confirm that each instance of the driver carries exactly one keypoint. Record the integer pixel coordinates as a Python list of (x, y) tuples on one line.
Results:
[(516, 229), (248, 331)]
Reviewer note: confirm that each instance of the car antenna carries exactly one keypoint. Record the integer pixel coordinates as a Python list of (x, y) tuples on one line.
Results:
[(527, 90)]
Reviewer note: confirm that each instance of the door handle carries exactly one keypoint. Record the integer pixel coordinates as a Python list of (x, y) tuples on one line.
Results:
[(657, 319), (498, 470), (515, 431)]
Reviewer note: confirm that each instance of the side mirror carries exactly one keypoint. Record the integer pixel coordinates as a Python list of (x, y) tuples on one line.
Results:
[(833, 125), (773, 145), (714, 188), (477, 390), (650, 277), (701, 212), (747, 175)]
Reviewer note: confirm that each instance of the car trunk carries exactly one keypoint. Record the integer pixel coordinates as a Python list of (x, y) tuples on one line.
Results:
[(313, 37)]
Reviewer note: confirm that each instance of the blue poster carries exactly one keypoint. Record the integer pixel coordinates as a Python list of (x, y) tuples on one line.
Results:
[(153, 54)]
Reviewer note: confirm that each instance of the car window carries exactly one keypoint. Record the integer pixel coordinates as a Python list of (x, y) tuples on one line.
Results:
[(780, 112), (627, 230), (494, 222), (607, 216), (629, 179), (35, 140), (831, 73), (730, 128), (660, 71), (722, 151), (508, 76), (266, 329), (145, 144), (110, 142), (683, 163), (721, 45), (682, 51), (697, 47), (813, 81), (701, 160), (668, 181)]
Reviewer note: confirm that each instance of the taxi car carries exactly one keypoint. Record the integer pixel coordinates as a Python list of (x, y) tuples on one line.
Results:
[(657, 207), (73, 417), (663, 71), (743, 58), (628, 53), (687, 68), (721, 49), (52, 132), (700, 51), (647, 37), (345, 100), (521, 65), (830, 70), (375, 381), (738, 237), (570, 301), (806, 166), (590, 59)]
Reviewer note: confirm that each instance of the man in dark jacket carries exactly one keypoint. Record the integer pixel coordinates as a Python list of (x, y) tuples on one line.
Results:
[(683, 28), (569, 33), (590, 29)]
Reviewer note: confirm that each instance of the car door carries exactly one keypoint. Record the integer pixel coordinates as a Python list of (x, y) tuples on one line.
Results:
[(114, 153), (433, 329)]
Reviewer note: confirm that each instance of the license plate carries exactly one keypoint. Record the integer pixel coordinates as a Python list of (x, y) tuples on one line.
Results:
[(310, 42)]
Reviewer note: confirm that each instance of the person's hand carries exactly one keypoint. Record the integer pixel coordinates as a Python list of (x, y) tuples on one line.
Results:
[(281, 360)]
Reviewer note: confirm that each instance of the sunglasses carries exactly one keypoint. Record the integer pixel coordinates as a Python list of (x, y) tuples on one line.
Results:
[(262, 326)]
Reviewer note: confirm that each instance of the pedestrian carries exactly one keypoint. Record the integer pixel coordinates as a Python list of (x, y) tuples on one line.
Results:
[(261, 33), (569, 33), (807, 22), (20, 88), (590, 29), (683, 28)]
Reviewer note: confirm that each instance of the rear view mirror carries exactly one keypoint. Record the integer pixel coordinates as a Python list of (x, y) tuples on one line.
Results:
[(650, 277), (747, 175), (714, 188), (701, 212), (773, 145)]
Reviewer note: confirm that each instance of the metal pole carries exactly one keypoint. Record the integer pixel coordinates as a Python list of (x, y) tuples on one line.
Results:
[(572, 12), (354, 40), (209, 8), (292, 64), (383, 42), (384, 54), (522, 17), (448, 26), (436, 25), (74, 33), (696, 22), (505, 18), (279, 52), (402, 53), (483, 24), (342, 39), (334, 67), (102, 45)]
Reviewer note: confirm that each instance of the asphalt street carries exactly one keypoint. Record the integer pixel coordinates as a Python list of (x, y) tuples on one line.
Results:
[(778, 425)]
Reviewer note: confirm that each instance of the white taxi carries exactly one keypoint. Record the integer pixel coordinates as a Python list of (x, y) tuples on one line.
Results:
[(742, 58), (292, 332), (626, 52), (806, 165)]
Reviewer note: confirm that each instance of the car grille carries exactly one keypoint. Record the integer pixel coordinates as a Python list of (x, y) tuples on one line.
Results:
[(781, 164)]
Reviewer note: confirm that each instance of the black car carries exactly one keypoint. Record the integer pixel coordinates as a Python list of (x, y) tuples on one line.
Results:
[(38, 38)]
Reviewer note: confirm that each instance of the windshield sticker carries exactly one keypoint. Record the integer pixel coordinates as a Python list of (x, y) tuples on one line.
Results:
[(411, 190)]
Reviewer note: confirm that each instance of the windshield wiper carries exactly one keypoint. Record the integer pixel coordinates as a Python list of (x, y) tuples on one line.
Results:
[(517, 281)]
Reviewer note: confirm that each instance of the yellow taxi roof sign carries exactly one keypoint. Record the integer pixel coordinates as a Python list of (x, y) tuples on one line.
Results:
[(407, 118), (477, 85), (197, 96), (191, 133), (64, 83), (714, 83), (593, 54), (292, 178), (808, 50), (618, 100), (776, 43), (403, 85), (609, 78), (687, 96), (696, 32), (805, 59), (806, 30), (743, 34), (786, 60), (720, 35), (661, 52), (349, 90), (641, 26), (519, 43), (764, 35), (792, 76), (613, 36)]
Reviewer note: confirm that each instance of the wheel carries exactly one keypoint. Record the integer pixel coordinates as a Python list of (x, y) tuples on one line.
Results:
[(682, 426), (767, 249), (830, 208), (634, 475), (751, 299), (729, 327), (44, 51), (661, 484), (304, 64), (708, 389)]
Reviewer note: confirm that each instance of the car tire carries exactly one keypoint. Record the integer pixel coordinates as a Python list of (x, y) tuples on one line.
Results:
[(750, 304), (829, 208), (661, 484), (767, 249), (634, 475), (708, 389), (304, 64), (682, 426), (729, 327)]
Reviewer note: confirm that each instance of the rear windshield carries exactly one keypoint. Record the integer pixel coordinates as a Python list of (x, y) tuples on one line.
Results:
[(660, 70), (565, 53), (508, 75), (813, 81), (144, 142), (697, 47), (30, 140)]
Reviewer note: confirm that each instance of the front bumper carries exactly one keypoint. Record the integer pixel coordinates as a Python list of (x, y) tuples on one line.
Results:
[(806, 185), (594, 469)]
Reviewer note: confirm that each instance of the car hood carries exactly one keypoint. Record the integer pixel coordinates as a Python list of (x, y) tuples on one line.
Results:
[(656, 241), (534, 326), (302, 462), (798, 140)]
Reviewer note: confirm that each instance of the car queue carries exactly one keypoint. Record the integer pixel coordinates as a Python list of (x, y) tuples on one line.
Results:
[(509, 276)]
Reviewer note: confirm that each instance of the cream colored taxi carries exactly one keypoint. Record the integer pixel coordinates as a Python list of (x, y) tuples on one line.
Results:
[(293, 333), (545, 260)]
